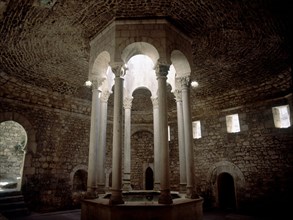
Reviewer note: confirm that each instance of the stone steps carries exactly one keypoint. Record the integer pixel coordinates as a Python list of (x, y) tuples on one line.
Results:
[(12, 204)]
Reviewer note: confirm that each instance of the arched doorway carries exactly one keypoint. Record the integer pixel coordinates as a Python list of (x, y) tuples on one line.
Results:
[(226, 191), (149, 179), (80, 180), (13, 141)]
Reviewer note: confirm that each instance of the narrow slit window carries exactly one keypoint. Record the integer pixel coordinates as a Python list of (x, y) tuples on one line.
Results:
[(232, 122), (196, 129), (281, 116), (169, 135)]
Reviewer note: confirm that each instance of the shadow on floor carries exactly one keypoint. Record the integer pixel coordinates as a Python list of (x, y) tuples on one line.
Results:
[(76, 215)]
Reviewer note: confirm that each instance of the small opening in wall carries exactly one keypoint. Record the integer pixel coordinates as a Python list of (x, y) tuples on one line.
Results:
[(232, 122), (196, 129), (281, 116)]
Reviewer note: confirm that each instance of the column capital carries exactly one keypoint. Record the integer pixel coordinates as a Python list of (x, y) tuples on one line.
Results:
[(155, 102), (184, 81), (118, 69), (178, 95), (105, 96), (162, 69), (127, 102), (97, 82)]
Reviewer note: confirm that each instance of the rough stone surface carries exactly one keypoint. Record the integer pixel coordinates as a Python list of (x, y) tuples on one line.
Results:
[(12, 144), (49, 46), (242, 60)]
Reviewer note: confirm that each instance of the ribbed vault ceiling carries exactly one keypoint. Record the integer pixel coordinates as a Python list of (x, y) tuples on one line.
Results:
[(236, 43)]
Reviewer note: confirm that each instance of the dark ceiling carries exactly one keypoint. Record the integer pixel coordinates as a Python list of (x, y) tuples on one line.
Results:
[(236, 43)]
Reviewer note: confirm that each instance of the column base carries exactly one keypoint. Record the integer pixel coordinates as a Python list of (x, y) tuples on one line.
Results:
[(101, 189), (92, 193), (182, 188), (127, 185), (107, 189), (116, 197), (165, 197), (157, 186), (191, 193)]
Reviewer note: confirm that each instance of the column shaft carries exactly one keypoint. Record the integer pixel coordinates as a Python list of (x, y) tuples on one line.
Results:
[(165, 196), (181, 143), (188, 140), (127, 144), (156, 144), (93, 147), (116, 195), (102, 142)]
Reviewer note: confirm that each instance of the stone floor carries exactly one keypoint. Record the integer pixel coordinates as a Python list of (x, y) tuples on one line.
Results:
[(75, 215)]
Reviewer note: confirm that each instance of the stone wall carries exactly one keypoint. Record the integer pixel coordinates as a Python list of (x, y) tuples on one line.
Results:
[(259, 157), (261, 152), (61, 132), (142, 156)]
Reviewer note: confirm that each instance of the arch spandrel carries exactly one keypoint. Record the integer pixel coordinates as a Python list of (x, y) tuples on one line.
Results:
[(103, 41)]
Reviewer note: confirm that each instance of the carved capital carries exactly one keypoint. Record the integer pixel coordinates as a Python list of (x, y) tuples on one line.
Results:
[(119, 69), (127, 102), (178, 95), (96, 83), (162, 69), (105, 96), (184, 81)]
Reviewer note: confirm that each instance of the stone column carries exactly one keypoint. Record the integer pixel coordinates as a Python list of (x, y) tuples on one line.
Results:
[(102, 141), (190, 189), (181, 144), (127, 143), (165, 196), (93, 147), (156, 143), (116, 192)]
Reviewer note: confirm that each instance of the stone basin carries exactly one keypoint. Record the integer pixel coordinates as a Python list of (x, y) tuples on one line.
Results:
[(142, 205)]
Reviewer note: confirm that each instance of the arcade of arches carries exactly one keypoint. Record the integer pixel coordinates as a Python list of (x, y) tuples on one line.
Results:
[(61, 143)]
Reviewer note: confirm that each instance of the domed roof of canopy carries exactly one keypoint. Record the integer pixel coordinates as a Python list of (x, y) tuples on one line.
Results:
[(239, 46)]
